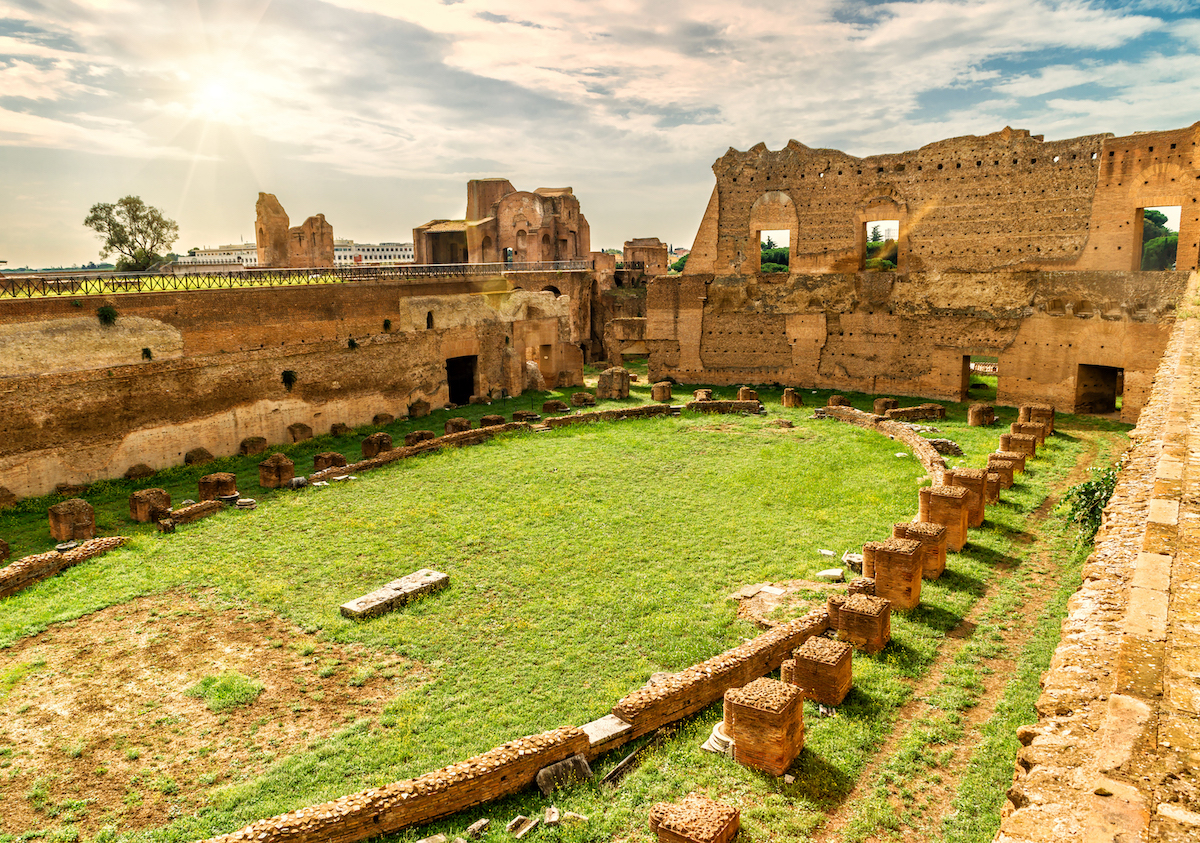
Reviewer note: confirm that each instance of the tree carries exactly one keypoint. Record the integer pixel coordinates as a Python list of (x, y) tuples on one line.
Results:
[(132, 229), (680, 264), (876, 234), (769, 243)]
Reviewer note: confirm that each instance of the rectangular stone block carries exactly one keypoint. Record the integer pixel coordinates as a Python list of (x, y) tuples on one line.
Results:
[(395, 594), (765, 719), (898, 572), (947, 505), (146, 505)]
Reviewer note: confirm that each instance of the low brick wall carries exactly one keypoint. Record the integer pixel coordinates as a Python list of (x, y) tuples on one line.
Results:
[(723, 406), (450, 440), (643, 412), (698, 686), (502, 771), (25, 572)]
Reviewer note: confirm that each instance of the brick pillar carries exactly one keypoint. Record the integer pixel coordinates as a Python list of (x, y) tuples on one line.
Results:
[(275, 472), (1035, 429), (328, 459), (882, 405), (947, 505), (1020, 443), (792, 399), (933, 544), (974, 480), (1003, 469), (213, 486), (146, 505), (981, 415), (72, 520), (1017, 459), (898, 572), (376, 444)]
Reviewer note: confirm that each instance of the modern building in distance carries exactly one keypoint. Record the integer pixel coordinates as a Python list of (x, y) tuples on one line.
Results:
[(345, 253)]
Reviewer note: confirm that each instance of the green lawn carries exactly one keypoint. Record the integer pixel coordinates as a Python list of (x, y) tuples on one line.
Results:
[(581, 561)]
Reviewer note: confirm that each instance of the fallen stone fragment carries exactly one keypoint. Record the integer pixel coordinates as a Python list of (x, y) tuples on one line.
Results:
[(826, 552), (830, 575), (437, 838), (515, 823), (571, 770), (552, 817), (395, 594), (572, 817), (476, 829)]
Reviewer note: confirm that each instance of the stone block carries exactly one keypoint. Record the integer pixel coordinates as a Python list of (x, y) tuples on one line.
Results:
[(491, 420), (694, 819), (992, 488), (948, 506), (823, 670), (276, 472), (418, 409), (933, 545), (376, 444), (339, 429), (866, 622), (135, 472), (526, 416), (1019, 443), (882, 405), (72, 520), (745, 393), (1043, 413), (198, 456), (702, 395), (765, 719), (898, 572), (219, 485), (476, 829), (792, 399), (859, 585), (395, 594), (975, 481), (457, 424), (583, 399), (569, 771), (661, 392), (380, 419), (252, 445), (1017, 459), (981, 415), (149, 505), (328, 459), (1034, 429), (299, 432), (837, 401), (416, 436), (5, 550), (613, 384), (1003, 469)]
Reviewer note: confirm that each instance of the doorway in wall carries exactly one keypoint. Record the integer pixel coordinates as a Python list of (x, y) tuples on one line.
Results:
[(460, 377), (1099, 389)]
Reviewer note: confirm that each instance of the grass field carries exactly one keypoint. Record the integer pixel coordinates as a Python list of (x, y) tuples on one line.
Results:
[(581, 561)]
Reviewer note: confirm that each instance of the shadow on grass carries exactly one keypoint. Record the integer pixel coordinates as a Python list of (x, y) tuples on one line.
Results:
[(992, 557), (817, 780), (957, 581), (933, 617)]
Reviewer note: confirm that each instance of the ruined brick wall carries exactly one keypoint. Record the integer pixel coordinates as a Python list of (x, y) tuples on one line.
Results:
[(1006, 200), (94, 422), (908, 334)]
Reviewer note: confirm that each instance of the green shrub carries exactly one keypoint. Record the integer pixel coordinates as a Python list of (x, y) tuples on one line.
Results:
[(1085, 501), (289, 379), (107, 314), (226, 690)]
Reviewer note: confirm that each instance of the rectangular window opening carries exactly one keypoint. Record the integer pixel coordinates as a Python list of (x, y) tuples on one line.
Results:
[(1159, 237), (880, 251), (776, 251)]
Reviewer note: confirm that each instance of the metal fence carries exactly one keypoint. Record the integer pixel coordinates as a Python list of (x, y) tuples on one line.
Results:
[(93, 283)]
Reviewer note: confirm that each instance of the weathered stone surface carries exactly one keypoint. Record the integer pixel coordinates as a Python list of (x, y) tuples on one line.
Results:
[(457, 424), (491, 420), (418, 436), (418, 409), (148, 505), (660, 392), (5, 551), (198, 456), (218, 485), (792, 398), (339, 429), (135, 472), (554, 406), (299, 432), (570, 771), (376, 444), (694, 819), (981, 415), (882, 405), (327, 459), (303, 246), (395, 594), (276, 472), (745, 393), (72, 520), (252, 445), (613, 384), (380, 419), (583, 399)]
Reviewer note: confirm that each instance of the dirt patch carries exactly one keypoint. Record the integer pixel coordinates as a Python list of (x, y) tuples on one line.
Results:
[(767, 605), (96, 728)]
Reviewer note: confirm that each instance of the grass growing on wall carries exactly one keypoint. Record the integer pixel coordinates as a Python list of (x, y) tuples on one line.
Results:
[(581, 560)]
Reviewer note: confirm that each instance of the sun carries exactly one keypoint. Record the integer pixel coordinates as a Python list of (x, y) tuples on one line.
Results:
[(218, 99)]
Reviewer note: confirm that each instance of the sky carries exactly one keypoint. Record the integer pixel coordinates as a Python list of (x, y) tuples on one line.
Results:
[(377, 112)]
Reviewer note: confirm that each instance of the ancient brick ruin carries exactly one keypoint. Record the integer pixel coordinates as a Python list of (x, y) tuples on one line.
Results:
[(1009, 246), (304, 246)]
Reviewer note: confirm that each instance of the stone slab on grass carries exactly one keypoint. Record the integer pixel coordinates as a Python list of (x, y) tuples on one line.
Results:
[(395, 594)]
